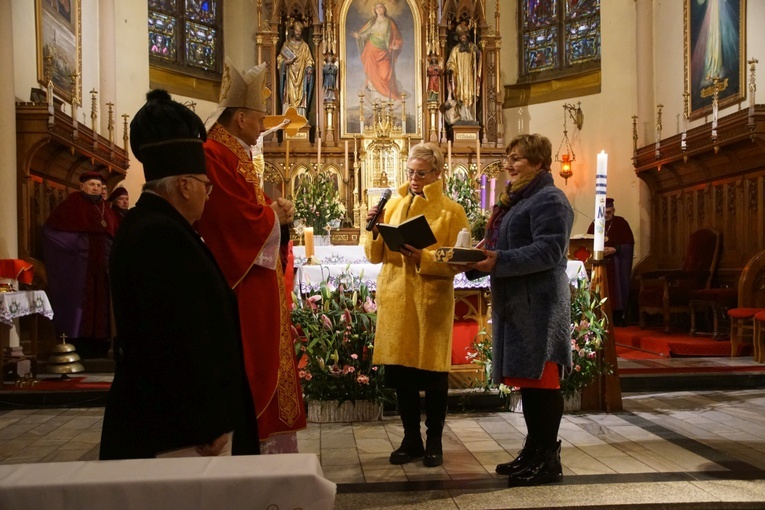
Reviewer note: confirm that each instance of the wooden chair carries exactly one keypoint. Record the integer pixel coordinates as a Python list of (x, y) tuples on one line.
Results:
[(668, 292), (759, 337), (751, 301)]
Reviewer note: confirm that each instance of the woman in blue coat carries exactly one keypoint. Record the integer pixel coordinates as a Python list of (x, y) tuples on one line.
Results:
[(526, 244)]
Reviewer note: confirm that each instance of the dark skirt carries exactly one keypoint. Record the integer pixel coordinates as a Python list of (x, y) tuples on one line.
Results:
[(398, 376)]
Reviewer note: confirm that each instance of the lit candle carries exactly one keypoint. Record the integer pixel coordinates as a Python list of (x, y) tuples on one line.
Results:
[(601, 177), (492, 191), (483, 192), (308, 233), (449, 155)]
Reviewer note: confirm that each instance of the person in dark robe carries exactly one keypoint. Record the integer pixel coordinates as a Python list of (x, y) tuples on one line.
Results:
[(77, 239), (120, 202), (179, 387), (619, 248)]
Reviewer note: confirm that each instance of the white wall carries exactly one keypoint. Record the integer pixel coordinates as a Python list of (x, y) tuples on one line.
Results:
[(607, 117)]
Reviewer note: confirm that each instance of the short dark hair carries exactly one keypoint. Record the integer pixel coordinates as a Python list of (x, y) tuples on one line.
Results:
[(536, 148)]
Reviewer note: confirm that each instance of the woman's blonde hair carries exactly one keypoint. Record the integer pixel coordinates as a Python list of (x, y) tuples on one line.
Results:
[(429, 152), (536, 148)]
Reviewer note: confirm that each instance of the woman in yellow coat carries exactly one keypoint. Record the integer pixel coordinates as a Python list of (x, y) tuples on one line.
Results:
[(415, 304)]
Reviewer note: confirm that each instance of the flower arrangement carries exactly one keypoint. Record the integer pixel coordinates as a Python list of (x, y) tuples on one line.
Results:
[(460, 189), (589, 327), (335, 329), (317, 202)]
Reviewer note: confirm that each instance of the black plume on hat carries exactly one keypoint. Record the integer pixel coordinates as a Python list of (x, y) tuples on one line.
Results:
[(167, 138)]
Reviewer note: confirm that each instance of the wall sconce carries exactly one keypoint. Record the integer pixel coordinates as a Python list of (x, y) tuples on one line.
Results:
[(568, 156)]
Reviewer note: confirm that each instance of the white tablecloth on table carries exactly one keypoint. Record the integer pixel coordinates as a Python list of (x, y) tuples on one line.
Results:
[(26, 302), (285, 481), (336, 260)]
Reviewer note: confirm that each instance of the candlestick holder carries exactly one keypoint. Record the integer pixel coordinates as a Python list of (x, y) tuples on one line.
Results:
[(752, 89), (657, 151), (110, 122), (125, 131)]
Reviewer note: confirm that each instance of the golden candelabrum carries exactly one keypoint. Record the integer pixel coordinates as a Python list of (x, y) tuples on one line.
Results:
[(634, 135), (752, 89), (715, 107), (361, 113), (684, 135), (657, 151), (125, 132), (94, 116), (110, 122)]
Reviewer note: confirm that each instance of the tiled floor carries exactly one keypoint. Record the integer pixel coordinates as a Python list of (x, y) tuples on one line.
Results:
[(670, 450)]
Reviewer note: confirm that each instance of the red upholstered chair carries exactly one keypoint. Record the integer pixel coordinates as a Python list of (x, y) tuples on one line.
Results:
[(668, 292), (751, 301)]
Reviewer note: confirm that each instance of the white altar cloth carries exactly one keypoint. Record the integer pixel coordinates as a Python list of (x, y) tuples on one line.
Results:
[(336, 260), (205, 483), (26, 302)]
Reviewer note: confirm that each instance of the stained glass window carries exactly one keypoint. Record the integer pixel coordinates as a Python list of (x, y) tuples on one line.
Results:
[(558, 36), (186, 36)]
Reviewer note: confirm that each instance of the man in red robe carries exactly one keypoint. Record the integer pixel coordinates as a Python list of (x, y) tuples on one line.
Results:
[(618, 250), (248, 234), (77, 240)]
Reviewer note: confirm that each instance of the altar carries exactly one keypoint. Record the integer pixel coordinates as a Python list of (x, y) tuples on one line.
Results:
[(472, 299)]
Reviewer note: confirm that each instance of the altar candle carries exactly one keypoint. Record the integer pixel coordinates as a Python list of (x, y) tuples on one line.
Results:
[(308, 233), (478, 153), (318, 157), (449, 155), (347, 168), (483, 192), (601, 178), (492, 191), (714, 118)]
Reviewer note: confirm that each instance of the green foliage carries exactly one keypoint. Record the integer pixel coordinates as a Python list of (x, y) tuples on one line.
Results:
[(461, 190), (589, 327), (335, 330), (317, 202)]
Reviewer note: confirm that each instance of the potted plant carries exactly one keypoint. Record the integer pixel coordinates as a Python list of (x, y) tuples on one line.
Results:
[(317, 203), (589, 326), (334, 326)]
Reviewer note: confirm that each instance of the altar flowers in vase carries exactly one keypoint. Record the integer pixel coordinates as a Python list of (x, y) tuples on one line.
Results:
[(334, 328), (317, 202)]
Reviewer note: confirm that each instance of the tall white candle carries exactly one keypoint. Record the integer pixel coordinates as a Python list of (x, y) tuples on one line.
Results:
[(492, 191), (449, 155), (347, 168), (478, 153), (318, 157), (601, 178)]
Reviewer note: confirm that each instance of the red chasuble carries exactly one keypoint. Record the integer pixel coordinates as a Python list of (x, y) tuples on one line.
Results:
[(239, 226)]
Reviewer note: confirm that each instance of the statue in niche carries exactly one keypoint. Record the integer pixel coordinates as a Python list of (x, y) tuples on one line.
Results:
[(296, 71), (464, 68), (434, 78), (329, 74)]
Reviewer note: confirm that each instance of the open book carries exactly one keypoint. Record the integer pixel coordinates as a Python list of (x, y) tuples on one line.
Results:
[(414, 231)]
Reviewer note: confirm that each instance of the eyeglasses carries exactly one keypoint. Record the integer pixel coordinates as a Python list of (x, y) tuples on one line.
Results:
[(511, 160), (208, 184), (419, 173)]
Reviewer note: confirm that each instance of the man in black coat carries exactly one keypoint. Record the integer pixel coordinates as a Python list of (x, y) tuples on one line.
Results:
[(179, 383)]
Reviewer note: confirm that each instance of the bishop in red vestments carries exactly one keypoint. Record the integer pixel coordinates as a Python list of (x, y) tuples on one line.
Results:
[(247, 232)]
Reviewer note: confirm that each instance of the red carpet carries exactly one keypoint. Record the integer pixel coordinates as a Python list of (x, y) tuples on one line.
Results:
[(70, 384), (635, 343)]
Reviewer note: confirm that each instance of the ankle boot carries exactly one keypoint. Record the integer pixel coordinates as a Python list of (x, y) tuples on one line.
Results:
[(521, 462), (411, 448), (543, 468), (434, 454)]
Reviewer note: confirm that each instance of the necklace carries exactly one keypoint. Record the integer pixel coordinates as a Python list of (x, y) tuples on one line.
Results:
[(101, 211), (610, 224)]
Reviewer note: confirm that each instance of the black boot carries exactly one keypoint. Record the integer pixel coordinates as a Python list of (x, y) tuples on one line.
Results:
[(543, 468), (521, 462), (435, 417), (409, 408)]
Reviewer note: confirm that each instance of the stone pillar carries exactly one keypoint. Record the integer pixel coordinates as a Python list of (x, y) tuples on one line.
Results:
[(107, 64)]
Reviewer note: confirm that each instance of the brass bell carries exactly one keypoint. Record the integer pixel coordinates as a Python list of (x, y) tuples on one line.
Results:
[(64, 359)]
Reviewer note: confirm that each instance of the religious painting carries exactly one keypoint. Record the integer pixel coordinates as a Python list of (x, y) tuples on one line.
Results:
[(715, 49), (58, 45), (380, 43)]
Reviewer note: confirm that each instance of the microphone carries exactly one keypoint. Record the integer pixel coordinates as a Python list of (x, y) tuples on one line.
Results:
[(383, 200)]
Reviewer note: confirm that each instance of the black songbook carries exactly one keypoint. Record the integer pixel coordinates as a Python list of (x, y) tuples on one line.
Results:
[(414, 231)]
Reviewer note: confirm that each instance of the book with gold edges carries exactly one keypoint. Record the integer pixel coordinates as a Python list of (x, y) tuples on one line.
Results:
[(453, 255)]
